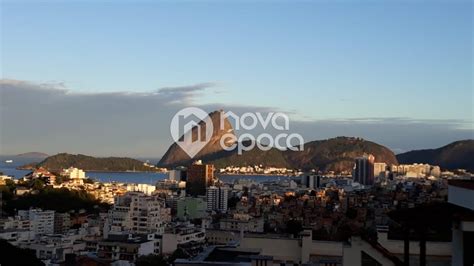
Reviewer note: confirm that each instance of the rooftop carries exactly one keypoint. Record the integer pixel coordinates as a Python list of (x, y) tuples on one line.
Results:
[(467, 184)]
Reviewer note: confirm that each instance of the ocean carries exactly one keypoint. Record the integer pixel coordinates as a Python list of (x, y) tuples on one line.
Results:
[(124, 177)]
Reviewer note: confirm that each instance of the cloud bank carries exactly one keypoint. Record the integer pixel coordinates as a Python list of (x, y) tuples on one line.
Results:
[(52, 118)]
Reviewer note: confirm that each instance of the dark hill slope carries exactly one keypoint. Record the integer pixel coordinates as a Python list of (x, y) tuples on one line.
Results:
[(459, 154), (89, 163)]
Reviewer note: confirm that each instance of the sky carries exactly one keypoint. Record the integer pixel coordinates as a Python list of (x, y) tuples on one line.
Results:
[(105, 78)]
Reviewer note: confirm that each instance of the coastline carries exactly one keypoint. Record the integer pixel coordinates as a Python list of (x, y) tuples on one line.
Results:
[(99, 171), (254, 174)]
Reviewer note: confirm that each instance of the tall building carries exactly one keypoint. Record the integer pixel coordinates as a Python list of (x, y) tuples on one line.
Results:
[(217, 198), (364, 170), (174, 175), (127, 247), (41, 222), (199, 177), (62, 222), (379, 169), (178, 174), (138, 213), (76, 175), (311, 180)]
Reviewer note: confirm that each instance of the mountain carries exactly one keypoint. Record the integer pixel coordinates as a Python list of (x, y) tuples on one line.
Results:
[(89, 163), (272, 157), (38, 155), (455, 155), (335, 154), (175, 155)]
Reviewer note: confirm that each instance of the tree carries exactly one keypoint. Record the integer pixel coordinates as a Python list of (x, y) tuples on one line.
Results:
[(61, 179), (88, 181), (351, 213), (289, 198), (294, 227), (321, 234), (12, 255), (61, 200), (37, 184), (151, 260), (232, 202), (267, 228)]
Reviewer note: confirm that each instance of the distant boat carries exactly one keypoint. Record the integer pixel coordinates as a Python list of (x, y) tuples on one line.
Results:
[(9, 161)]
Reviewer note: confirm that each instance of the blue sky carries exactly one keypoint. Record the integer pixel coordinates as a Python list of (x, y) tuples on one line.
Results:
[(319, 60)]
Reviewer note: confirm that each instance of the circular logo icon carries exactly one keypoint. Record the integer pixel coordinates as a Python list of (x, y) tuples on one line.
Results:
[(191, 128)]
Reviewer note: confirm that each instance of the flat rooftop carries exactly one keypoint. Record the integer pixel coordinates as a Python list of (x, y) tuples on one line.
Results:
[(467, 184)]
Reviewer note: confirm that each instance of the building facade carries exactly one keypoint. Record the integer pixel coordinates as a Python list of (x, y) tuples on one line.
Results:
[(199, 177), (138, 213), (364, 170), (41, 222), (217, 198)]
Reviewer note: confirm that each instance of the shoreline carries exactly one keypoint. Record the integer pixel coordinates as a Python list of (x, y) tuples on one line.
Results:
[(256, 174), (98, 171)]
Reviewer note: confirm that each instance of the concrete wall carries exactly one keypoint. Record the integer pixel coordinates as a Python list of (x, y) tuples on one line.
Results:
[(221, 237), (293, 249), (432, 248), (353, 253), (327, 248), (146, 248), (169, 243), (282, 249)]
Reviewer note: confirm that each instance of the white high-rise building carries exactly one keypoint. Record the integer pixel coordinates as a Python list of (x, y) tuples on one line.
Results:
[(41, 222), (174, 175), (416, 170), (379, 169), (217, 198), (145, 188), (136, 212), (76, 175)]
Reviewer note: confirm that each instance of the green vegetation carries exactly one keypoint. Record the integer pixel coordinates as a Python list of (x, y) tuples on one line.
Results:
[(37, 184), (61, 200), (337, 154), (61, 179), (7, 190), (88, 181), (351, 213), (12, 255), (294, 227), (272, 157), (89, 163)]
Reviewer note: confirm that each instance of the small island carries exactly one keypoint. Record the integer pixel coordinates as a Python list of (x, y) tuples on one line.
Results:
[(90, 163)]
